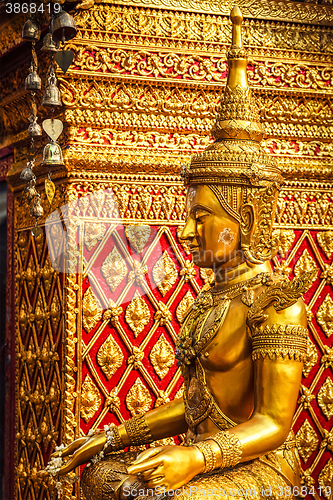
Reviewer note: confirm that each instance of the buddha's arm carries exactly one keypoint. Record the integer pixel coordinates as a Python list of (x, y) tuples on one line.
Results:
[(278, 347), (165, 421)]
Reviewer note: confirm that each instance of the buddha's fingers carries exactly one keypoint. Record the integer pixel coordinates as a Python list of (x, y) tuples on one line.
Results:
[(147, 475), (70, 449), (145, 465), (151, 452)]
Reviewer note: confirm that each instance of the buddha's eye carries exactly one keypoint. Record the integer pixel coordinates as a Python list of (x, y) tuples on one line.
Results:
[(201, 216)]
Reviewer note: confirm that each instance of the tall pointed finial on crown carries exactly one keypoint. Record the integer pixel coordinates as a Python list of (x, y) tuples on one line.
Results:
[(236, 156), (238, 116)]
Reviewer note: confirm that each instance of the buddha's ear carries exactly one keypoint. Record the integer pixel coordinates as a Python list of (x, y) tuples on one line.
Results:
[(248, 227)]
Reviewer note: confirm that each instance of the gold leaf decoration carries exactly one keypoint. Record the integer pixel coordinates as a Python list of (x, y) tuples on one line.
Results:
[(311, 358), (39, 313), (185, 304), (138, 399), (90, 399), (306, 440), (165, 273), (91, 310), (93, 232), (325, 240), (138, 235), (324, 315), (162, 357), (114, 269), (109, 357), (284, 238), (325, 398), (305, 264), (55, 311), (188, 271), (325, 479), (23, 316), (30, 274), (137, 314), (207, 275)]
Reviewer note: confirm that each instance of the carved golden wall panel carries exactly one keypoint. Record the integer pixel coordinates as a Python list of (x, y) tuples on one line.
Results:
[(140, 98)]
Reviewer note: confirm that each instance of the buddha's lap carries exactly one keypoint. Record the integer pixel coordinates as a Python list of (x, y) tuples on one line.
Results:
[(252, 480)]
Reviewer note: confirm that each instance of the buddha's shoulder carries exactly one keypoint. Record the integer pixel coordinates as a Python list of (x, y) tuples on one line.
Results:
[(281, 302)]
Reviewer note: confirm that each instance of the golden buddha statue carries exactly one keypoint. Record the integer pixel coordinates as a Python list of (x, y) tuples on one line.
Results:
[(240, 348)]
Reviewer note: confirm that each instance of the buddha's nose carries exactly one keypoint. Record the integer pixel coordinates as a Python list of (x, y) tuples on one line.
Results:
[(188, 232)]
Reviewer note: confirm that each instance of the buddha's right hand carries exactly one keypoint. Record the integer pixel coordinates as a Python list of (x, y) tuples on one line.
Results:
[(80, 451)]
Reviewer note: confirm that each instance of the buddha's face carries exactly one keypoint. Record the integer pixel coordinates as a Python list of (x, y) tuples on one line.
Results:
[(212, 234)]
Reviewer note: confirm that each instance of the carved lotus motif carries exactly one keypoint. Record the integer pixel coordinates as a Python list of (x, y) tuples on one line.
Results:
[(305, 264), (325, 240), (93, 232), (165, 273), (138, 399), (325, 398), (114, 269), (90, 399), (324, 315), (137, 314), (162, 357), (110, 357), (186, 302), (306, 440), (91, 310), (138, 236)]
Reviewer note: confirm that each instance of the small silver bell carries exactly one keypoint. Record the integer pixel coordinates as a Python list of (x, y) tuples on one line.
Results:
[(48, 43), (31, 30), (63, 27), (34, 130), (52, 95), (52, 154), (32, 81), (27, 174), (37, 209)]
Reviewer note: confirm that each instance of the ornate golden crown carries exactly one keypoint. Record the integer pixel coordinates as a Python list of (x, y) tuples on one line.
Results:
[(236, 156)]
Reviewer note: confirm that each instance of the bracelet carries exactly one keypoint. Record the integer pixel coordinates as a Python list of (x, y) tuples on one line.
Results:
[(113, 438), (138, 431), (208, 454), (231, 448)]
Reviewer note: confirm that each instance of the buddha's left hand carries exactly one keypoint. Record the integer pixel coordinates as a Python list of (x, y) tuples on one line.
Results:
[(168, 467)]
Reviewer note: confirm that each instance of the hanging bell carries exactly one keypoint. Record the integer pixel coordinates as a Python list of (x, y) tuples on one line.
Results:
[(31, 30), (63, 27), (52, 154), (32, 81), (34, 130), (51, 95), (48, 43)]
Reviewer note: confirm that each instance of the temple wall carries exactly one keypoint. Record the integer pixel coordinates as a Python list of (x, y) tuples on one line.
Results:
[(95, 314)]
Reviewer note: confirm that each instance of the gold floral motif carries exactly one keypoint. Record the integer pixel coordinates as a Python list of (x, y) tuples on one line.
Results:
[(207, 275), (325, 479), (91, 310), (285, 238), (325, 398), (90, 399), (41, 314), (165, 273), (184, 305), (163, 315), (138, 399), (112, 313), (188, 271), (30, 275), (137, 314), (306, 440), (328, 274), (311, 358), (325, 240), (136, 358), (138, 272), (327, 358), (162, 357), (110, 357), (114, 269), (55, 311), (324, 315), (112, 401), (306, 397), (138, 235), (93, 232), (305, 264)]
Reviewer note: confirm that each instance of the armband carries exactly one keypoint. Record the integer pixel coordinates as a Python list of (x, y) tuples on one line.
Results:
[(231, 448), (280, 341), (138, 431)]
